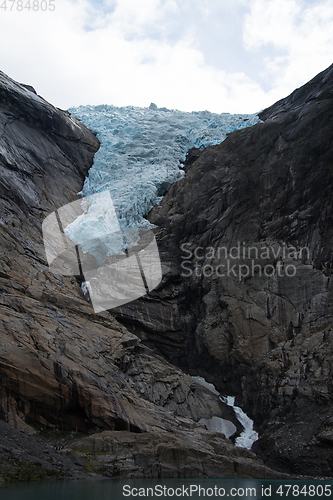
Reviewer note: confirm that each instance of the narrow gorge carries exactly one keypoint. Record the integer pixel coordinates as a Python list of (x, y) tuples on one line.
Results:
[(121, 384)]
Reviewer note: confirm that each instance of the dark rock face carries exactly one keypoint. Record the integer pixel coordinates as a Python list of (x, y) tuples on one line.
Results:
[(262, 336), (27, 457), (61, 365), (261, 333), (191, 452)]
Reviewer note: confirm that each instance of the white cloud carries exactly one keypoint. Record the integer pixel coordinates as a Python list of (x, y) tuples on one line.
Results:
[(127, 52), (300, 35), (270, 21)]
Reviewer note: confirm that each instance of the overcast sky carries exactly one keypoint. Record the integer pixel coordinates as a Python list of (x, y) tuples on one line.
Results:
[(221, 55)]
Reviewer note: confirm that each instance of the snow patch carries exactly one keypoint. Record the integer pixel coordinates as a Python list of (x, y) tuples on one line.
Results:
[(217, 424), (210, 387)]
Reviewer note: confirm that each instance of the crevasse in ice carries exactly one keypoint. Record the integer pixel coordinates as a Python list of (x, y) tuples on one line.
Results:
[(140, 157)]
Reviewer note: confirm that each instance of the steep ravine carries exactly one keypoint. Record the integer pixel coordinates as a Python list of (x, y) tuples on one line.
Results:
[(118, 377), (64, 368), (265, 338)]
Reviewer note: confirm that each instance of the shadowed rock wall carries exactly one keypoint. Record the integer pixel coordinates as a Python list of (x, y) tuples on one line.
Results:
[(265, 338), (61, 365)]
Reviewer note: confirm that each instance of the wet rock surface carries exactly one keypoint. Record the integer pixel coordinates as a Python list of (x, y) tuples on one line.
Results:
[(62, 367), (264, 337), (24, 457), (191, 451)]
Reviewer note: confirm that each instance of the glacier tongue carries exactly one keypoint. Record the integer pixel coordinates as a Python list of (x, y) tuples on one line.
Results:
[(140, 156)]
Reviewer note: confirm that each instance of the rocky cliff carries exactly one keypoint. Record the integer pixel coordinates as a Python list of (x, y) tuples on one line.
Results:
[(246, 299), (64, 367)]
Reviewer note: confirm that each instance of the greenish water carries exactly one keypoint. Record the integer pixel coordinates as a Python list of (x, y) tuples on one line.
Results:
[(168, 488), (63, 490)]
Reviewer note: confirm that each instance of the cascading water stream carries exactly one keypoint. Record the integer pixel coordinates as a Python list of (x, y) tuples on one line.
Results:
[(247, 437)]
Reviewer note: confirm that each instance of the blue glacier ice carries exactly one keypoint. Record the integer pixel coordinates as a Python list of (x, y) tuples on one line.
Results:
[(141, 155)]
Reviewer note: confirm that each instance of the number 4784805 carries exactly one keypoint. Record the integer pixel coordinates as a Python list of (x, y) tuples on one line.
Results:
[(33, 5), (295, 490)]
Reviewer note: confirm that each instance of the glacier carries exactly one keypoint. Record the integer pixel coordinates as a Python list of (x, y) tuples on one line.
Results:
[(141, 155)]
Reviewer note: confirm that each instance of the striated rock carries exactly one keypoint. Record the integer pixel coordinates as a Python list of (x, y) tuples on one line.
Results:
[(189, 452), (29, 458), (58, 360), (62, 366), (261, 336)]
